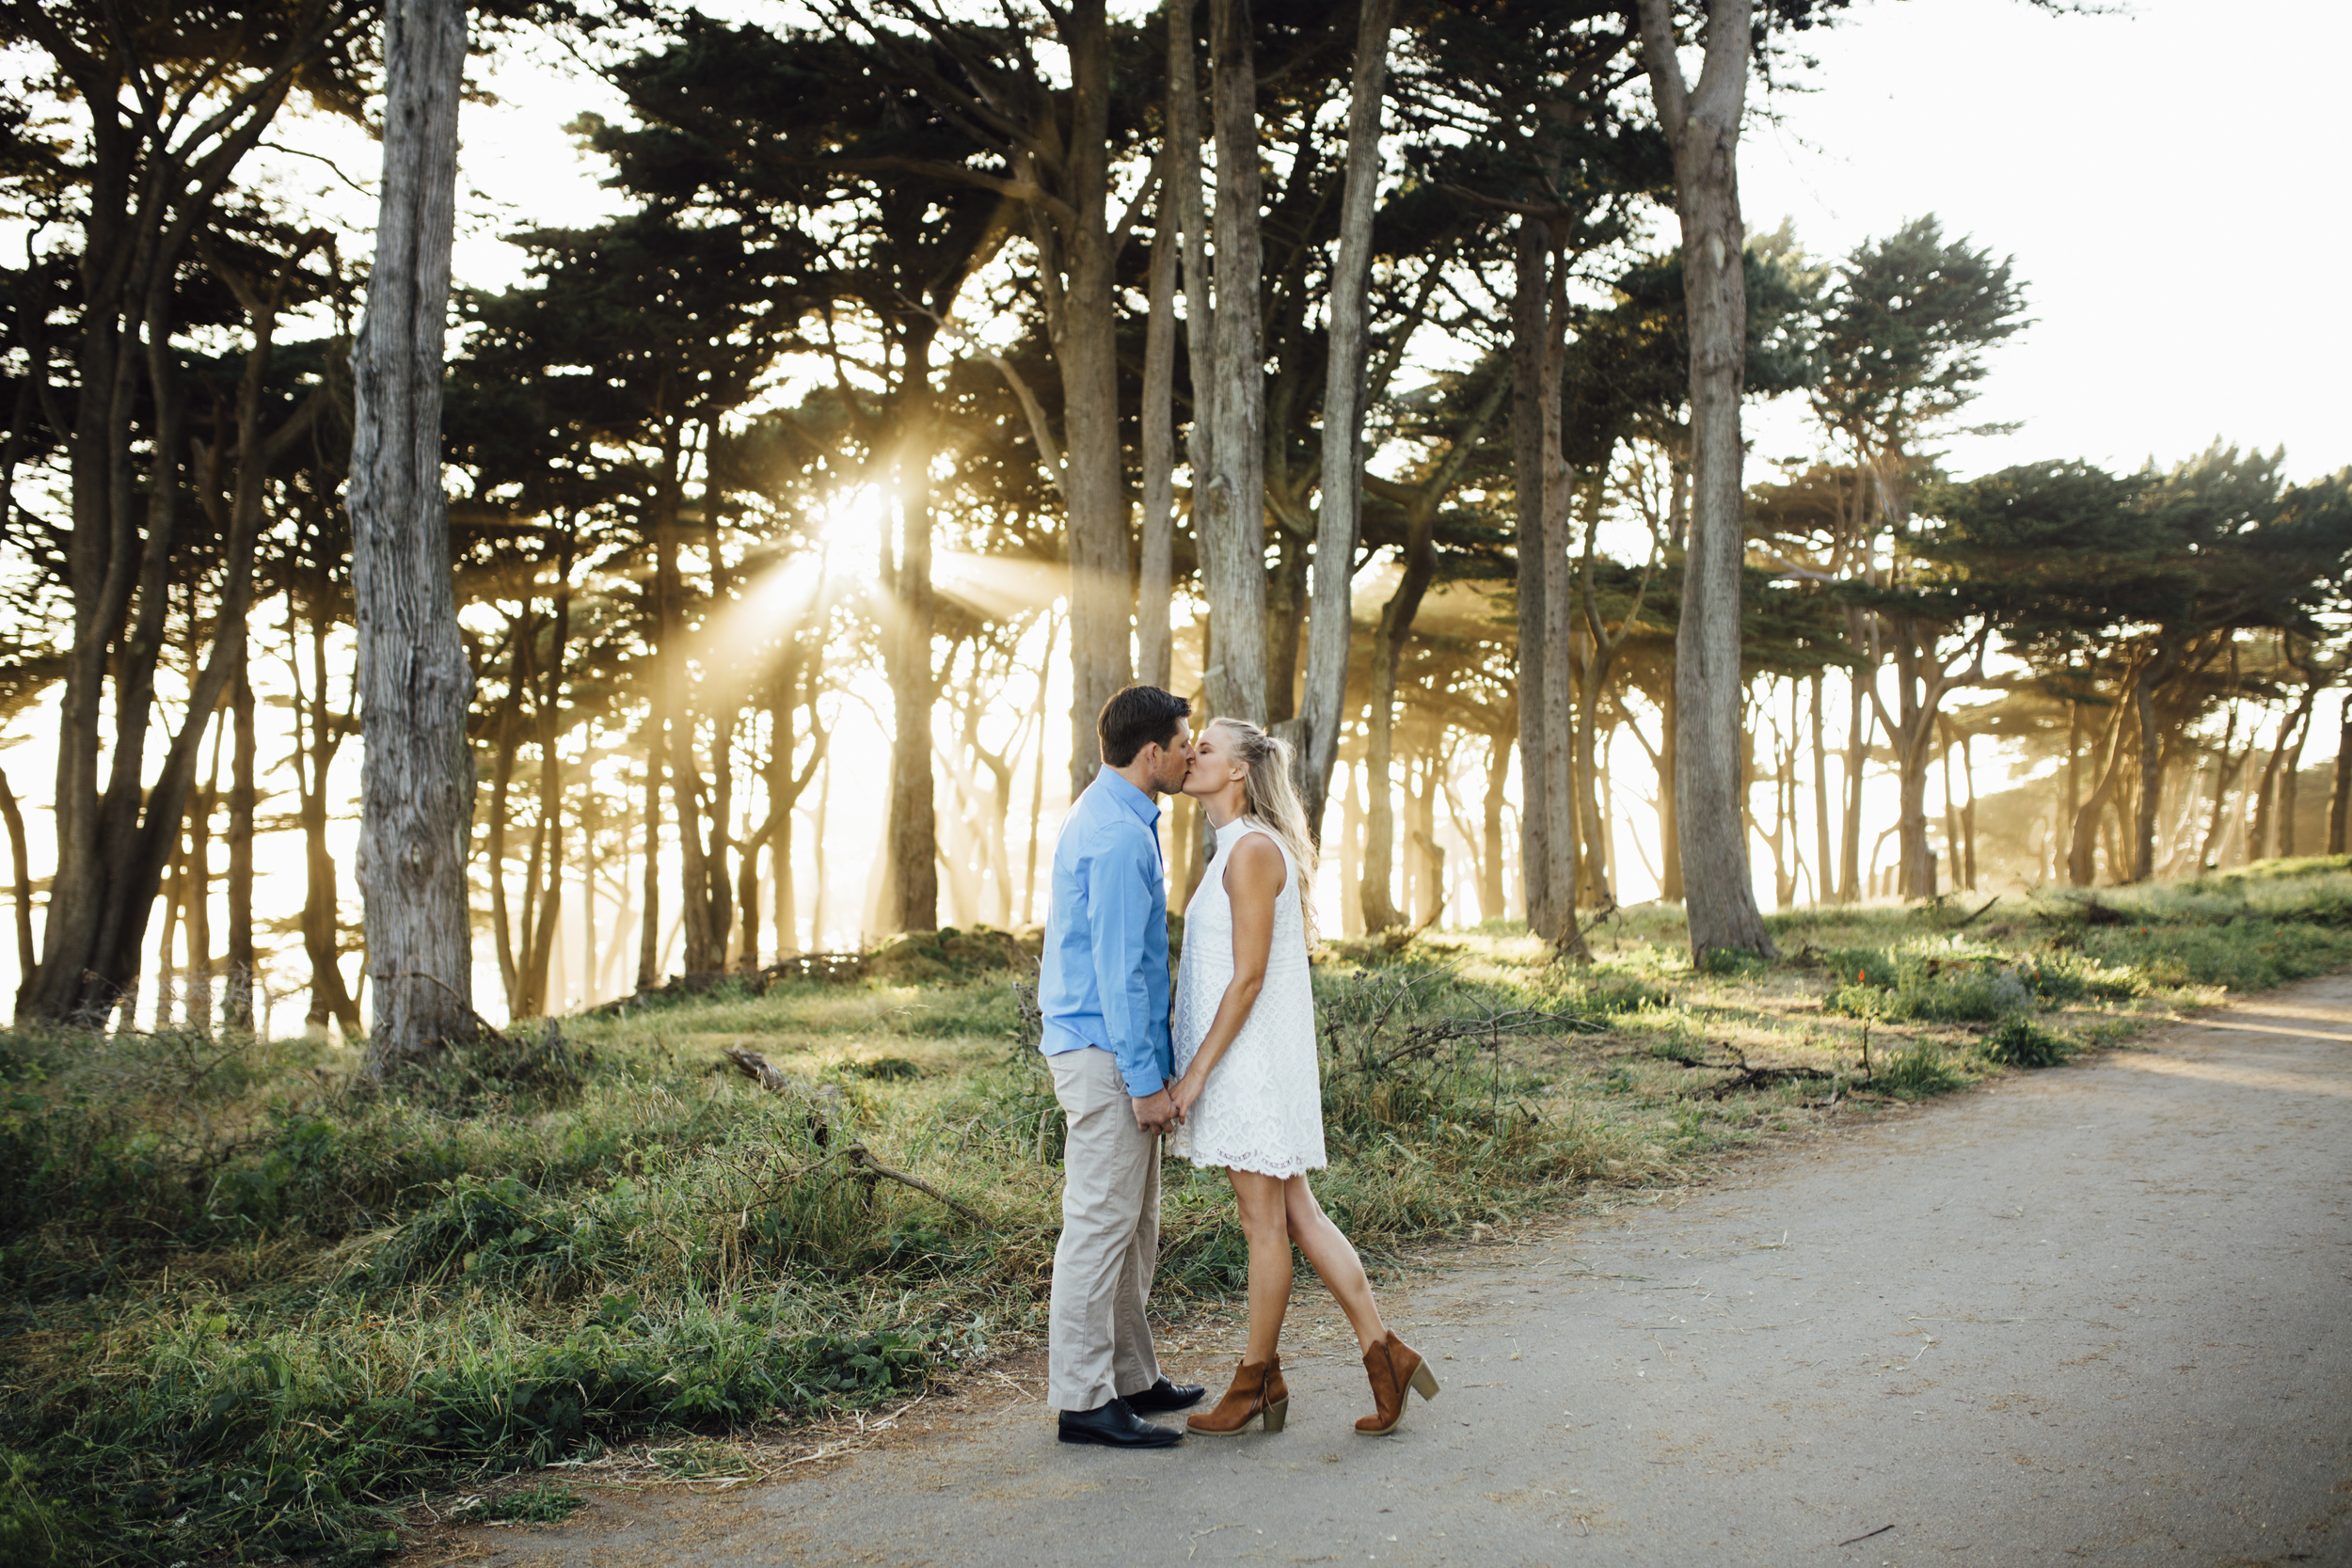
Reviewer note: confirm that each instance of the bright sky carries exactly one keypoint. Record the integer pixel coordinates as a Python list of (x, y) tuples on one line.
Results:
[(2169, 180)]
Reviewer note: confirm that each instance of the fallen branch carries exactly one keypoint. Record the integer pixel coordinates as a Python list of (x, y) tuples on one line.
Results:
[(861, 1157), (1748, 1077), (821, 1126), (1974, 918)]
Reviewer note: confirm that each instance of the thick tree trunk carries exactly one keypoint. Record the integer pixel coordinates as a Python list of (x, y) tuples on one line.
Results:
[(1530, 330), (1702, 125), (913, 902), (1563, 788), (1229, 506), (1100, 587), (417, 777), (1338, 518)]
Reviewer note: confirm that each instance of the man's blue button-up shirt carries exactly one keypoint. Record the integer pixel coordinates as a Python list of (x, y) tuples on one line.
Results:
[(1104, 981)]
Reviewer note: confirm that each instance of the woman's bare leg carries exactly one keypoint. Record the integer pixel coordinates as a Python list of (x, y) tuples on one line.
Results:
[(1334, 1258), (1262, 1200)]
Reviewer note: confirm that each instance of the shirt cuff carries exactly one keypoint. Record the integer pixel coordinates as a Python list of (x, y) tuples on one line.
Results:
[(1143, 1082)]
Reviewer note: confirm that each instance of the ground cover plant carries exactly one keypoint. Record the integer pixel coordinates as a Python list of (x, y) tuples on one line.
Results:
[(249, 1310)]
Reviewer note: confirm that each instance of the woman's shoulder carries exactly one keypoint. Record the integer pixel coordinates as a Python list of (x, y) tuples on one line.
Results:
[(1257, 858)]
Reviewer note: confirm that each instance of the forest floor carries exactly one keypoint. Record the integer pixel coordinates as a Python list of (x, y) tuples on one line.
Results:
[(2093, 1316), (252, 1306)]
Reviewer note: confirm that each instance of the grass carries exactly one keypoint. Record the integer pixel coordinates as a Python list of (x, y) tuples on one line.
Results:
[(249, 1310)]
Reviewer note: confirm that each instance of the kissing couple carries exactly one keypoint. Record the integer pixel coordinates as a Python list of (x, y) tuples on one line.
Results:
[(1235, 1080)]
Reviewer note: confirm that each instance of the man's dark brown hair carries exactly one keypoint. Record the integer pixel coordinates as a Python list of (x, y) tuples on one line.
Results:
[(1135, 717)]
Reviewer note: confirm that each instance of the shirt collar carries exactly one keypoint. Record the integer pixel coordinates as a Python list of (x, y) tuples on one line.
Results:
[(1140, 805)]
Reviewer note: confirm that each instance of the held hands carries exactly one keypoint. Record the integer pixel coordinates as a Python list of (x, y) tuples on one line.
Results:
[(1155, 1113), (1186, 1093)]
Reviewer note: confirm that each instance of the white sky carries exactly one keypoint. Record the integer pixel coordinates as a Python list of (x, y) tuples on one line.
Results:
[(2170, 180)]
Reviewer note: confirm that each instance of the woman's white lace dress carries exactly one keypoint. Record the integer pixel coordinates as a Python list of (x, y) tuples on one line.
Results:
[(1262, 1109)]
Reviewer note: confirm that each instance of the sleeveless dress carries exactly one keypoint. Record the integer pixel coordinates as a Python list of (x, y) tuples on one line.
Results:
[(1262, 1109)]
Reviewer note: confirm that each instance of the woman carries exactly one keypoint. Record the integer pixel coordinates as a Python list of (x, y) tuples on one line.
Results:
[(1248, 1091)]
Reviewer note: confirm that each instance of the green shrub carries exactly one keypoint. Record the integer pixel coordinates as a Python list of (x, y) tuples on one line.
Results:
[(534, 1505), (2018, 1043), (35, 1531), (1916, 1073)]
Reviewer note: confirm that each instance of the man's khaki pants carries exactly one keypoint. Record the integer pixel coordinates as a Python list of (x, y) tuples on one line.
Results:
[(1099, 1342)]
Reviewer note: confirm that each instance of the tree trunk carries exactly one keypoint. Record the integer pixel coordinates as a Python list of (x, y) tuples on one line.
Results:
[(1155, 561), (196, 995), (417, 777), (1849, 888), (1563, 790), (1352, 856), (2143, 847), (649, 912), (1968, 812), (19, 862), (913, 900), (1824, 885), (1530, 330), (2340, 798), (1338, 518), (1702, 125), (1670, 887), (316, 742), (2081, 855), (1490, 905), (237, 1004), (1100, 588), (1230, 505)]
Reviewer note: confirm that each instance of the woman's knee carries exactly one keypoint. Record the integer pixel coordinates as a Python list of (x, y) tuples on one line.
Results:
[(1300, 1210)]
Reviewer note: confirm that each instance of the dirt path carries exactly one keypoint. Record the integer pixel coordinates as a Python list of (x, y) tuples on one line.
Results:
[(2097, 1315)]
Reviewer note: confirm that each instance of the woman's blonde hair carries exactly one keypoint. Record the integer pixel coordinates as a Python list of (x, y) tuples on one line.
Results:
[(1271, 799)]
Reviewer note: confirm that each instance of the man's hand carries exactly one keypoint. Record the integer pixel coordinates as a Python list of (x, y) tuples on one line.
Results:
[(1155, 1112)]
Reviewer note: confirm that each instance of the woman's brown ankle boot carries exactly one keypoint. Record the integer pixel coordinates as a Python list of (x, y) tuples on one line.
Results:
[(1393, 1367), (1258, 1391)]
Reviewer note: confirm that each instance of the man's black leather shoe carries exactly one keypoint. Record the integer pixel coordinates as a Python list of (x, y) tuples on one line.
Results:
[(1115, 1426), (1164, 1395)]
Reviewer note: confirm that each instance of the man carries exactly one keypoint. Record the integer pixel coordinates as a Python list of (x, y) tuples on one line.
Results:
[(1103, 987)]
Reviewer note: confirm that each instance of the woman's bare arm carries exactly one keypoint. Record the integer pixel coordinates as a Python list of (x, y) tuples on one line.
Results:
[(1253, 880)]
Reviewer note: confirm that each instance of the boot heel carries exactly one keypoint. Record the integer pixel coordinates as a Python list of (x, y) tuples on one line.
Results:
[(1276, 1414), (1424, 1382)]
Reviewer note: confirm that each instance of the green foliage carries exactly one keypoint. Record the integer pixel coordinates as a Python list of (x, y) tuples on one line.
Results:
[(534, 1505), (1916, 1072), (2020, 1043), (35, 1531)]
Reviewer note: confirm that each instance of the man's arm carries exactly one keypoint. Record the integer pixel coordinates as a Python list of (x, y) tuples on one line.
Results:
[(1118, 915)]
